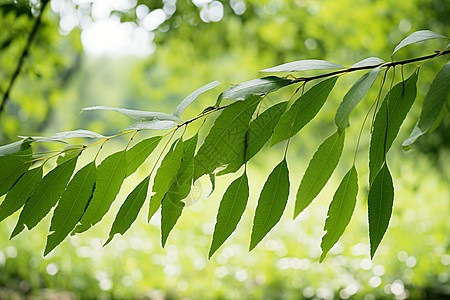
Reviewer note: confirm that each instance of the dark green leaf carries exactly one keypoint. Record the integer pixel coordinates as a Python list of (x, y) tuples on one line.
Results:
[(139, 153), (302, 111), (20, 192), (231, 208), (225, 141), (260, 86), (45, 196), (271, 203), (192, 96), (400, 100), (319, 171), (304, 65), (152, 125), (166, 175), (416, 37), (353, 97), (137, 114), (129, 210), (340, 211), (13, 166), (71, 205), (110, 174), (381, 200), (371, 61), (212, 180)]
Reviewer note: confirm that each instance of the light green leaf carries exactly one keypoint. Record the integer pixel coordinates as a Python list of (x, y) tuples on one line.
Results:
[(15, 147), (380, 201), (166, 175), (45, 196), (400, 100), (139, 153), (71, 206), (137, 114), (432, 106), (319, 171), (212, 180), (340, 211), (192, 96), (172, 205), (304, 65), (152, 125), (418, 36), (231, 208), (225, 141), (129, 210), (371, 61), (271, 203), (302, 111), (13, 166), (353, 97), (259, 133), (260, 86), (20, 192), (79, 133), (110, 175)]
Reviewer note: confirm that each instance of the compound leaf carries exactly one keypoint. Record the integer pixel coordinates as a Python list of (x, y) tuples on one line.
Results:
[(304, 65), (139, 153), (260, 86)]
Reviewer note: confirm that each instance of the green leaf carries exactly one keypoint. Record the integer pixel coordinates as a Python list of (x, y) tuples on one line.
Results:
[(152, 125), (225, 141), (137, 114), (432, 106), (13, 166), (110, 175), (302, 111), (260, 86), (79, 133), (20, 192), (340, 211), (15, 147), (192, 96), (259, 133), (400, 100), (71, 206), (319, 171), (418, 36), (129, 210), (166, 175), (353, 97), (212, 180), (371, 61), (380, 201), (231, 208), (172, 205), (304, 65), (271, 203), (139, 153), (45, 196)]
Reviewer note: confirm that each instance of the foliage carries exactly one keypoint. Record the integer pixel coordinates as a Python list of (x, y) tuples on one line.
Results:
[(238, 133)]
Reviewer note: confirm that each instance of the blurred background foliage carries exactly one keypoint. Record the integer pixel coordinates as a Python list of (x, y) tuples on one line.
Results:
[(149, 55)]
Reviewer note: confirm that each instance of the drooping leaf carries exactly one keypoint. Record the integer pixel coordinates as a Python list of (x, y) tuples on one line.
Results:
[(225, 141), (271, 203), (129, 210), (166, 175), (13, 166), (434, 101), (319, 171), (194, 95), (20, 192), (380, 202), (212, 180), (231, 208), (418, 36), (302, 111), (152, 125), (71, 206), (15, 147), (110, 175), (259, 133), (139, 153), (137, 114), (79, 133), (45, 196), (353, 97), (371, 61), (304, 65), (340, 211), (172, 204), (260, 86), (400, 99)]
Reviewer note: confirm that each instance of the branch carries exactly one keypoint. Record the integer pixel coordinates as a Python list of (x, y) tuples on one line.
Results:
[(25, 51)]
